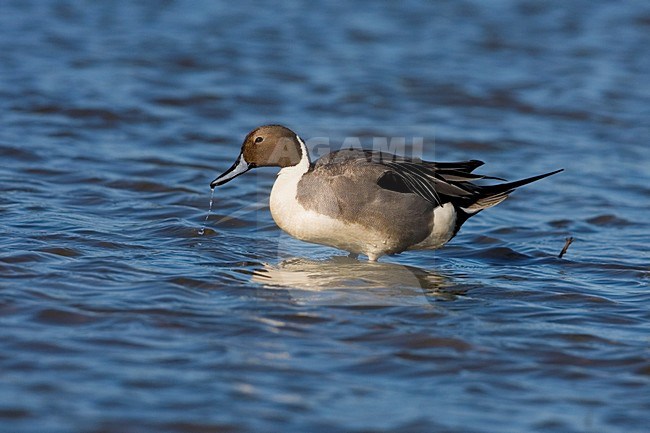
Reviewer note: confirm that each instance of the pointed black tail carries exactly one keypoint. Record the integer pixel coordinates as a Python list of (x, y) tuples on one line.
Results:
[(492, 195), (510, 186)]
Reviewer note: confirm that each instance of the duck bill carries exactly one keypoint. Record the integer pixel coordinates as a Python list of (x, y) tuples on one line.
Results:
[(239, 167)]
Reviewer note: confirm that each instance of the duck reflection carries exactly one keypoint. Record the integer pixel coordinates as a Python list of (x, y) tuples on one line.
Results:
[(348, 281)]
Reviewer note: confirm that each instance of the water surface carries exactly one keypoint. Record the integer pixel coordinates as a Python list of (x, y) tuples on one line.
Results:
[(116, 315)]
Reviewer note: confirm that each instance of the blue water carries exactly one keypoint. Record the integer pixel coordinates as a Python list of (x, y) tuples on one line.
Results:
[(117, 315)]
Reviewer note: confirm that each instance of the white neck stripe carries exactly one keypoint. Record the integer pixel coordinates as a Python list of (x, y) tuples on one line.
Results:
[(304, 163)]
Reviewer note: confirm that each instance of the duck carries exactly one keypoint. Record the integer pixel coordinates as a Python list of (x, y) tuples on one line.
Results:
[(367, 202)]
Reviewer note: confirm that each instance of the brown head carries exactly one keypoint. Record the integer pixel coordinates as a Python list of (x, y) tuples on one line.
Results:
[(266, 146)]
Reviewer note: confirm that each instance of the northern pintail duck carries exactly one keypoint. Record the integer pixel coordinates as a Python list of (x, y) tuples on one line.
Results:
[(366, 202)]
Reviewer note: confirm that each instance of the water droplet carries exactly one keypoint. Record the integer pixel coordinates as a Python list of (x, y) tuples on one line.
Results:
[(201, 231)]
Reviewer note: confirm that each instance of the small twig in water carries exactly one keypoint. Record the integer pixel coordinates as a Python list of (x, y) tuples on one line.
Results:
[(566, 247)]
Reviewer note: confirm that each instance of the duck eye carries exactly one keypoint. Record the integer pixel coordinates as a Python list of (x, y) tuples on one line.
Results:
[(259, 139)]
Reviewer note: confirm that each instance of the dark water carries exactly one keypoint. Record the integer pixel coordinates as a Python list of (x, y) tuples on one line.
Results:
[(117, 316)]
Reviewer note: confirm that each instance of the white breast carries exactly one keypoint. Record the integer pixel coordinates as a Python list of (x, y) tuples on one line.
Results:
[(311, 226)]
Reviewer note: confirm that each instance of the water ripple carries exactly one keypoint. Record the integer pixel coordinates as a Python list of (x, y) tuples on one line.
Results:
[(117, 314)]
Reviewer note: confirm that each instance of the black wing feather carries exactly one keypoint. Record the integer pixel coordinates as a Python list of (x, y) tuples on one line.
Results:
[(436, 182), (444, 182)]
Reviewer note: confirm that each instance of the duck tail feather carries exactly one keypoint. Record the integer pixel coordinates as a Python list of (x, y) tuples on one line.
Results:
[(492, 195), (509, 186)]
